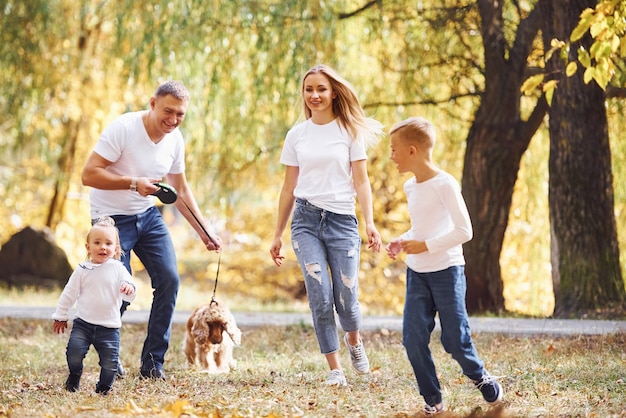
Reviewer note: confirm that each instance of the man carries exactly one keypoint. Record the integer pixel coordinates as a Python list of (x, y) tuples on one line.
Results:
[(135, 151)]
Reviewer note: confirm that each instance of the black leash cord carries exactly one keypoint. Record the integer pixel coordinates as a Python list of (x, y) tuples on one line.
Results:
[(212, 241)]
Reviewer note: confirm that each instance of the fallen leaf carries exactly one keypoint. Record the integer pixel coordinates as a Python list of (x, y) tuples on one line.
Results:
[(177, 407)]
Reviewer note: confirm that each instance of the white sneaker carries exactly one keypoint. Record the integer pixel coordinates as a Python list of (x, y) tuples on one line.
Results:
[(336, 378), (359, 359), (433, 410)]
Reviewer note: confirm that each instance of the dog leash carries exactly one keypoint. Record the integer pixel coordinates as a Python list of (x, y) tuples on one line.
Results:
[(217, 273), (167, 194)]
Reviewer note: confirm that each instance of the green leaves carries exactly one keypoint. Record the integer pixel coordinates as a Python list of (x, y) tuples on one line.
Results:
[(586, 19), (532, 83), (607, 26)]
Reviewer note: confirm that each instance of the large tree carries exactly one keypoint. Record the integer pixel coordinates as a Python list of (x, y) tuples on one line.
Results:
[(585, 255), (498, 138)]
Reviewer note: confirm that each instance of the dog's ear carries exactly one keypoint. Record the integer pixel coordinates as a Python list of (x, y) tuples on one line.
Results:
[(234, 332), (200, 330), (216, 331)]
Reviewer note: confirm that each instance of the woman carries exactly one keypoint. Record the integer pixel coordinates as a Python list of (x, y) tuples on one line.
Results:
[(326, 168)]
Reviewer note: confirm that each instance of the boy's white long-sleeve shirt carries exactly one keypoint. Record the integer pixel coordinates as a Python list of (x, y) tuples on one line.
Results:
[(439, 217), (95, 289)]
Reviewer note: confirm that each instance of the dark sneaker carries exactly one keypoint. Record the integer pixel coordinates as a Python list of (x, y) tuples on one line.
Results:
[(72, 383), (156, 373), (103, 390), (490, 388), (120, 370), (433, 409)]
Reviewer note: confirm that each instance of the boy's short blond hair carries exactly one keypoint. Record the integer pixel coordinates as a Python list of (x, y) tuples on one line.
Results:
[(416, 130)]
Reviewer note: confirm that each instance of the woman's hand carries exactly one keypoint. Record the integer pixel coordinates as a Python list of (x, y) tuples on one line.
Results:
[(373, 238), (275, 251)]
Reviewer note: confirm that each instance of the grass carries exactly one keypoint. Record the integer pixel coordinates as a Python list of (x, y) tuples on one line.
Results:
[(280, 374)]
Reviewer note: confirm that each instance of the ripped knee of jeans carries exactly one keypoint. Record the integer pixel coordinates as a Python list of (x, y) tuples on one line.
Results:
[(314, 270)]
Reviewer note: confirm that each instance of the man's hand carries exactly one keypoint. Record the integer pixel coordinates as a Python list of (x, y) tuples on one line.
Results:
[(212, 243), (146, 185)]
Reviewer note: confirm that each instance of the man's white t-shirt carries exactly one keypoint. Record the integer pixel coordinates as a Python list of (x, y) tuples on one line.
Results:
[(127, 145), (95, 288), (440, 218), (323, 154)]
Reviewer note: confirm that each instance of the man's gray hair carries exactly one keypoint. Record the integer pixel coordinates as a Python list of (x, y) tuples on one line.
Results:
[(174, 88)]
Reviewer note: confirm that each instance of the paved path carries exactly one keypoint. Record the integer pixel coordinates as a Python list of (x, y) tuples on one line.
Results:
[(511, 326)]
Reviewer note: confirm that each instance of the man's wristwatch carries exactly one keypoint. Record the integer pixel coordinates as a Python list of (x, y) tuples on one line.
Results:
[(133, 185)]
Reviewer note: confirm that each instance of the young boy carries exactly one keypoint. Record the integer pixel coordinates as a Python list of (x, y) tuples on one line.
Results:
[(98, 288), (435, 280)]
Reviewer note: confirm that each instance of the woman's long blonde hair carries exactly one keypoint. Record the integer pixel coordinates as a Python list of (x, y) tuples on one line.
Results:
[(346, 107)]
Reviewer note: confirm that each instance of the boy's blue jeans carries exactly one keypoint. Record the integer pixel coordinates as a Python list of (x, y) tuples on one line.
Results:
[(426, 294), (106, 341), (147, 235), (324, 240)]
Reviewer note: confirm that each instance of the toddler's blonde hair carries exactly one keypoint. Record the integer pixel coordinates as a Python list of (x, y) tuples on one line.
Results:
[(107, 222)]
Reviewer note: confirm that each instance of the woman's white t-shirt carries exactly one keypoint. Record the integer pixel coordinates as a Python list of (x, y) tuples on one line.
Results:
[(323, 154), (127, 145)]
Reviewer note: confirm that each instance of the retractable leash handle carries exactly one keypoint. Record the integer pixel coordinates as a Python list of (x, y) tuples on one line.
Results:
[(166, 193)]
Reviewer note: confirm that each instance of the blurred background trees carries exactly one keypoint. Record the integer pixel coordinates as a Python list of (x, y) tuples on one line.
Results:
[(68, 67)]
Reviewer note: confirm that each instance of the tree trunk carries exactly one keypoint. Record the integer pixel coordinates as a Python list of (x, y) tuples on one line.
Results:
[(62, 183), (496, 142), (585, 255), (72, 129), (492, 161)]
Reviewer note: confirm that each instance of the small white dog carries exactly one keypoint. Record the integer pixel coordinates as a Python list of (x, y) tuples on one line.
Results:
[(211, 335)]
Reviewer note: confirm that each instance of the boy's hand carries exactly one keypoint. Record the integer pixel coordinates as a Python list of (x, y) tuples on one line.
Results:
[(127, 288), (393, 249), (59, 326), (414, 247)]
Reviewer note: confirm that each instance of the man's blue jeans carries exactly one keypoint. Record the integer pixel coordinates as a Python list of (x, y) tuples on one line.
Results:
[(324, 240), (106, 341), (426, 294), (148, 237)]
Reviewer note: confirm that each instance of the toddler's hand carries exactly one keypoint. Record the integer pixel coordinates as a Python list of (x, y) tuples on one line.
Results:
[(127, 288), (59, 326), (393, 249)]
